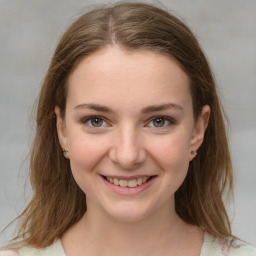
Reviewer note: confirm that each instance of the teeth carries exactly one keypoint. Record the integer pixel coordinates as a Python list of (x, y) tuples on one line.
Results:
[(128, 183), (132, 183), (116, 181), (123, 183)]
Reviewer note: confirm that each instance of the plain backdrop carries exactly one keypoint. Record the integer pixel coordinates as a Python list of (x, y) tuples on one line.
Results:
[(29, 31)]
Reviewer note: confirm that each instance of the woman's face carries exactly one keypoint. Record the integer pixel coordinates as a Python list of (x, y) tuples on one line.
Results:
[(129, 130)]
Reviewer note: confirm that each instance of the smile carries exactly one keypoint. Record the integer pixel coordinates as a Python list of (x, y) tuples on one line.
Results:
[(133, 183), (128, 186)]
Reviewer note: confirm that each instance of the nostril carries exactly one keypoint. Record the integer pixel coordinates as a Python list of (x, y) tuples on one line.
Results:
[(127, 151)]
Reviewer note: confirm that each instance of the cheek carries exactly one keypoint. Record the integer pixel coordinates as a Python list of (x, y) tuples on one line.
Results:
[(172, 155), (85, 153), (172, 149)]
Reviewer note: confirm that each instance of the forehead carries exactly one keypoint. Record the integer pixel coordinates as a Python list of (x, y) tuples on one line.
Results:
[(113, 73)]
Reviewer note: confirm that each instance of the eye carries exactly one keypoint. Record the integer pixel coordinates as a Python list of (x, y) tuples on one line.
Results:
[(95, 121), (161, 122)]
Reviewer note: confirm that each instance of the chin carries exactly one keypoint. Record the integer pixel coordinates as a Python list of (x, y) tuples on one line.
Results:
[(126, 212), (128, 217)]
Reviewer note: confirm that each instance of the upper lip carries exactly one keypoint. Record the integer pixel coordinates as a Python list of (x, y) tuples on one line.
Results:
[(127, 177)]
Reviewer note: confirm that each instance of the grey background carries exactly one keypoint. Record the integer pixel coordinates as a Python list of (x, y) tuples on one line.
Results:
[(29, 31)]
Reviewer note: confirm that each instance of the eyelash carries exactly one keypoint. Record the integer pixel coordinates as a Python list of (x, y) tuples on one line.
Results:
[(170, 121), (90, 118)]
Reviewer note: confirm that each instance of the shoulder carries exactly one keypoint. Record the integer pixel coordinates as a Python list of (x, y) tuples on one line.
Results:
[(55, 249), (236, 247), (226, 247), (9, 253)]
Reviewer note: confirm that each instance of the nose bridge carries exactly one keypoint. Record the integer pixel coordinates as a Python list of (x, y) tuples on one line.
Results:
[(128, 150)]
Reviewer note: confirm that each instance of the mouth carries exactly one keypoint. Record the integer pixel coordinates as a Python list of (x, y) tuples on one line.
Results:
[(128, 183), (127, 186)]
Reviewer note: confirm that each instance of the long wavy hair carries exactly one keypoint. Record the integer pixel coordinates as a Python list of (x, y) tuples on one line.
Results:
[(58, 202)]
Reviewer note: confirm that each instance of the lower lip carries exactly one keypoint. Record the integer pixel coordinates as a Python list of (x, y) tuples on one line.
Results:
[(129, 191)]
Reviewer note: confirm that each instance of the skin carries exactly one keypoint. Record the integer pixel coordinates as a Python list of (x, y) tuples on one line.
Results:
[(120, 88)]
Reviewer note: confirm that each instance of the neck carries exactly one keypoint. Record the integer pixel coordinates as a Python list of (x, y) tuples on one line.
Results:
[(105, 228), (100, 234)]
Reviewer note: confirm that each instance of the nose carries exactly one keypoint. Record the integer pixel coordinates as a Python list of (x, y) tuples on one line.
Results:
[(127, 149)]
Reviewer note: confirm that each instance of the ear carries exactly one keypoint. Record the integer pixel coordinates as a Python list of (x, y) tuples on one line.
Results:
[(199, 131), (61, 130)]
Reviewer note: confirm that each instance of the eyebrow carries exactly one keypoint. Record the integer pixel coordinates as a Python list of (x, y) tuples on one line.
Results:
[(155, 108), (96, 107), (146, 110)]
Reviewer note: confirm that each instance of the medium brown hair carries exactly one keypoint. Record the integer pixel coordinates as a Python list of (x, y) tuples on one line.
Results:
[(58, 202)]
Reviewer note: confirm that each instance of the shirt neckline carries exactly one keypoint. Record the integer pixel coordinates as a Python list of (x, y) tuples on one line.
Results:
[(206, 239)]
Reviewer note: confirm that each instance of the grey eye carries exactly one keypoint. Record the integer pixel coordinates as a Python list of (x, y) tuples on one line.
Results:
[(96, 121), (159, 122)]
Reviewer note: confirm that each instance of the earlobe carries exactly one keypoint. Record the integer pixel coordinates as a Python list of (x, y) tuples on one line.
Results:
[(199, 131), (61, 130)]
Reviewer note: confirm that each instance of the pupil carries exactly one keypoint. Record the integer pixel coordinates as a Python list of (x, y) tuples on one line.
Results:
[(159, 122), (97, 122)]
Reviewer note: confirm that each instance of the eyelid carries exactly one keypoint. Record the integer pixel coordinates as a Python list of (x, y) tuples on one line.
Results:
[(86, 119), (171, 121)]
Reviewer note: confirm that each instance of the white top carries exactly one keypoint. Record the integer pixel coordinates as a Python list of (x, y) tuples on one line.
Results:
[(211, 247)]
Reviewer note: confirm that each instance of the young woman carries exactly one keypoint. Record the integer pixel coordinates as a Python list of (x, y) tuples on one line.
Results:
[(130, 155)]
